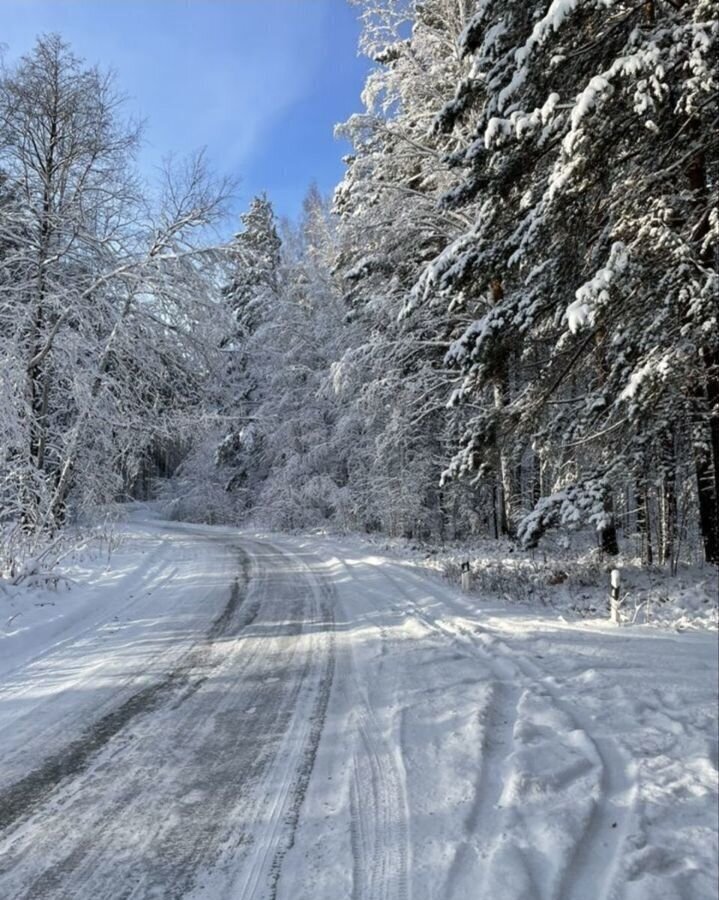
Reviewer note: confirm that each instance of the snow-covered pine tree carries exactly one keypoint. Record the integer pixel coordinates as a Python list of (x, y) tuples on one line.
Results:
[(591, 163), (278, 459), (391, 225), (306, 483), (255, 260), (252, 297)]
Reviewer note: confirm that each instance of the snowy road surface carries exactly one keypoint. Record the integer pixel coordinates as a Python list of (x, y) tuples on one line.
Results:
[(237, 717)]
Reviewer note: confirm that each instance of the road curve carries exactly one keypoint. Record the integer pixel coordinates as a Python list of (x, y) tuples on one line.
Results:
[(176, 787), (304, 718)]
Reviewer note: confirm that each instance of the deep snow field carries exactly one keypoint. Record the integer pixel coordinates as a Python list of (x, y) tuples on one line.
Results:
[(470, 745)]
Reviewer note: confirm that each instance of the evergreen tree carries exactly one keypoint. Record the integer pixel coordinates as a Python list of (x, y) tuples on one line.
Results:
[(590, 162), (391, 226), (251, 297)]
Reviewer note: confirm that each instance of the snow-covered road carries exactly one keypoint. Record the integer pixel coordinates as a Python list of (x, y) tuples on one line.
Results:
[(248, 717)]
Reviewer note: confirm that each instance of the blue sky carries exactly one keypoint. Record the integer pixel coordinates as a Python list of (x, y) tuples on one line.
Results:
[(261, 83)]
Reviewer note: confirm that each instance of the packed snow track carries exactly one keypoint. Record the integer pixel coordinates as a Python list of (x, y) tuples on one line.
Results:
[(245, 717)]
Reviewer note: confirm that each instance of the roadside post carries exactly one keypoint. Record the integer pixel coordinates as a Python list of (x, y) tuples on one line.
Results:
[(616, 580), (466, 577)]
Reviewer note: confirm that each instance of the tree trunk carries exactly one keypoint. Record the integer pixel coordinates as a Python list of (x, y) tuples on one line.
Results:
[(668, 500), (708, 462), (497, 509), (608, 534), (705, 457), (38, 385), (536, 478), (508, 493), (706, 437), (505, 496), (643, 522)]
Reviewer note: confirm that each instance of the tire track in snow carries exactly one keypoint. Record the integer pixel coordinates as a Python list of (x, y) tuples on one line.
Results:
[(297, 756), (481, 822), (47, 735), (316, 727), (378, 817), (470, 865), (589, 870), (218, 759), (594, 862), (379, 808), (18, 800), (77, 852)]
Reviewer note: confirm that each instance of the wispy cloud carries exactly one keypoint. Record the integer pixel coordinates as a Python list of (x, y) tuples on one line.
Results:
[(242, 77), (216, 73)]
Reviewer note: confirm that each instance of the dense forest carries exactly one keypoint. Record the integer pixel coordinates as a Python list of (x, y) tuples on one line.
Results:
[(504, 322)]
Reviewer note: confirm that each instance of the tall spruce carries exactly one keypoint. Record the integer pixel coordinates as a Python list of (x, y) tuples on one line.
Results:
[(594, 245)]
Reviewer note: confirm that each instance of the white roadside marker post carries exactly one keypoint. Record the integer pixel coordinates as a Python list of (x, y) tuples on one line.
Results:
[(466, 577), (616, 580)]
